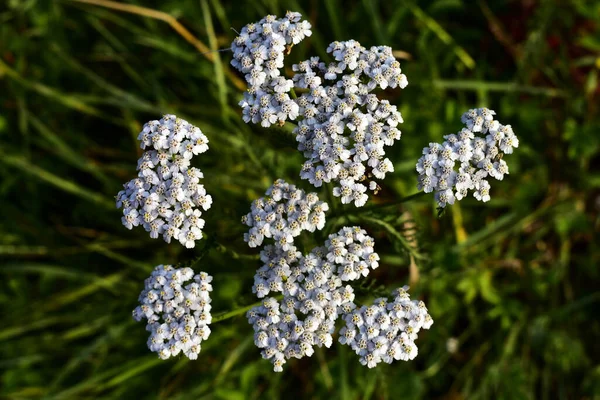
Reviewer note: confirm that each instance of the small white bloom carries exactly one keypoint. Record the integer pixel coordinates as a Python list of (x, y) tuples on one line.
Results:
[(167, 193), (379, 333), (183, 322), (477, 157)]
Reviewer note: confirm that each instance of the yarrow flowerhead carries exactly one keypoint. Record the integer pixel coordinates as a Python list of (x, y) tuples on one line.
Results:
[(176, 304), (258, 53), (312, 285), (386, 331), (477, 150), (343, 126), (167, 197), (283, 214), (314, 295)]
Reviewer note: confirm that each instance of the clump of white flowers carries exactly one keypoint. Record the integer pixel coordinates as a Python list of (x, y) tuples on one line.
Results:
[(314, 295), (386, 331), (258, 53), (477, 150), (344, 127), (312, 285), (176, 304), (283, 214), (167, 197)]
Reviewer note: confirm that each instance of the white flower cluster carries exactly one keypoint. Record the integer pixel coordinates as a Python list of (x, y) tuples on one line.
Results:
[(258, 53), (343, 127), (314, 295), (283, 215), (178, 316), (386, 331), (167, 195), (311, 285), (347, 255), (477, 156)]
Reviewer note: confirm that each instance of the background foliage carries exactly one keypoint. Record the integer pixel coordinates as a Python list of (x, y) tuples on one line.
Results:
[(512, 284)]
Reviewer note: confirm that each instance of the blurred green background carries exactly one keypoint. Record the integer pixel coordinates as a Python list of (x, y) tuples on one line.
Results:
[(512, 284)]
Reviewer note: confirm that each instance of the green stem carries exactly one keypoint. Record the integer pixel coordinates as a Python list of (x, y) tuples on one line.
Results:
[(212, 242), (235, 255), (230, 314), (233, 313), (379, 206)]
